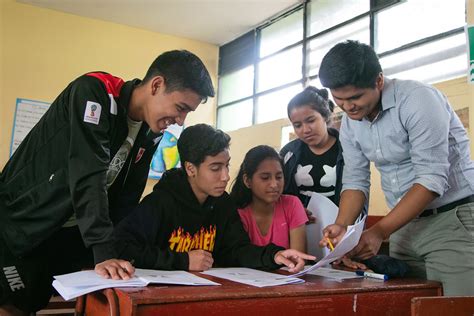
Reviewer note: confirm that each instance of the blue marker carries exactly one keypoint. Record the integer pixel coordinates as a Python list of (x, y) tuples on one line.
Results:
[(372, 275)]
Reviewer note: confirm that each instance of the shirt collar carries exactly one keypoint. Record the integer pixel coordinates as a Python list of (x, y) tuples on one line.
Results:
[(388, 94)]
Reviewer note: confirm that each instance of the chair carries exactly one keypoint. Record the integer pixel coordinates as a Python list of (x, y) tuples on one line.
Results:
[(442, 306)]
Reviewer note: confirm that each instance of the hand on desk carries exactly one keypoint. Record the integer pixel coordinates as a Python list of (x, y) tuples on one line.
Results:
[(349, 263), (200, 260), (293, 259), (115, 268)]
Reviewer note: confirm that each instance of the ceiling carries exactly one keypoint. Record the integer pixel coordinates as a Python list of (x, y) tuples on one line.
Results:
[(211, 21)]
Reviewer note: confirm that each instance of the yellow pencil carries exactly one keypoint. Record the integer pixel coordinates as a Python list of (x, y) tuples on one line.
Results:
[(331, 247)]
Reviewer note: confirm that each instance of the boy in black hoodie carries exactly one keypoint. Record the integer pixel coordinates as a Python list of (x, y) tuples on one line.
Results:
[(189, 222)]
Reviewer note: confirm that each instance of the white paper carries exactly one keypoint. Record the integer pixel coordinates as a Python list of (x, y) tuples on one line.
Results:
[(75, 284), (68, 293), (171, 277), (347, 243), (334, 273), (325, 212), (252, 277)]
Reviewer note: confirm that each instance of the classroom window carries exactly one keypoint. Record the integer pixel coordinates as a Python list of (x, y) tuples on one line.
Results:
[(236, 85), (319, 46), (286, 31), (262, 70), (272, 106), (325, 14), (280, 69), (432, 62), (413, 20), (236, 115)]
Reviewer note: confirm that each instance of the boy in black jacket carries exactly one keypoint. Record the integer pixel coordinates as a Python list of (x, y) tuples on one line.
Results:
[(189, 222), (83, 168)]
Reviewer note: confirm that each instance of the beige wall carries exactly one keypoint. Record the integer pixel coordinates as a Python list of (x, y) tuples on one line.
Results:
[(42, 50)]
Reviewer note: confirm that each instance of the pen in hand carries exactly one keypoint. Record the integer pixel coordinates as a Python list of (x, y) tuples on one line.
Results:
[(331, 247)]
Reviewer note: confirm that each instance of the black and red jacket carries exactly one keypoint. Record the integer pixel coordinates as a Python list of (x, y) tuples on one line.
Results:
[(60, 168)]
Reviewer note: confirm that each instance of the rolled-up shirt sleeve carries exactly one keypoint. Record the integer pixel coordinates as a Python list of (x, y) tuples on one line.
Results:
[(423, 113), (356, 174)]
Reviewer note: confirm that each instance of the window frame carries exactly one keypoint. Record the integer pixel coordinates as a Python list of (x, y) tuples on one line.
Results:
[(375, 6)]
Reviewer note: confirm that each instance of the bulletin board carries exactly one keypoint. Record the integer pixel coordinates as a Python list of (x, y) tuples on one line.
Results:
[(27, 114)]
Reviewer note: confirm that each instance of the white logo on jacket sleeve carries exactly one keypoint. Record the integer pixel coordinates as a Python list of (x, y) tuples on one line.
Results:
[(113, 105), (92, 113)]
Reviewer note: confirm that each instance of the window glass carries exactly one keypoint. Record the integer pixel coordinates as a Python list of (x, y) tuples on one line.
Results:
[(272, 106), (287, 31), (236, 85), (433, 62), (319, 46), (235, 116), (280, 69), (324, 14), (412, 20)]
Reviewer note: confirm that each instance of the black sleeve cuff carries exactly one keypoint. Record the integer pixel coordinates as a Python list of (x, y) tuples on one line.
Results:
[(181, 261), (269, 263), (104, 251)]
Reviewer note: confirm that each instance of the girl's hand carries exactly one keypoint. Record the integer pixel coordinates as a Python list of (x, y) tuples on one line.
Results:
[(293, 259)]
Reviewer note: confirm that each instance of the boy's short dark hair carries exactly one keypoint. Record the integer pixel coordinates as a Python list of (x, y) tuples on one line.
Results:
[(350, 63), (201, 140), (181, 70)]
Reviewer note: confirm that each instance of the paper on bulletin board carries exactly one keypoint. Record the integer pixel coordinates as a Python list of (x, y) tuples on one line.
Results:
[(27, 114), (470, 52)]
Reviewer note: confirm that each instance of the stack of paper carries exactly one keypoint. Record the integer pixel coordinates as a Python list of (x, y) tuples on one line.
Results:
[(252, 277), (75, 284), (347, 243)]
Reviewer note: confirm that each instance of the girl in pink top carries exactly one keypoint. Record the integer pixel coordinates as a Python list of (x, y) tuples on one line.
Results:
[(267, 215)]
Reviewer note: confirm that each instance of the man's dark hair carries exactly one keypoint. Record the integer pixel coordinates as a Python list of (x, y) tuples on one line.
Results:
[(316, 99), (181, 70), (240, 193), (350, 63), (201, 140)]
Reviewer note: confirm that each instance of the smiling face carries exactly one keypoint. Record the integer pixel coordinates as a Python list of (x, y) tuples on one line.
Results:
[(163, 108), (359, 102), (210, 178), (267, 182), (309, 125)]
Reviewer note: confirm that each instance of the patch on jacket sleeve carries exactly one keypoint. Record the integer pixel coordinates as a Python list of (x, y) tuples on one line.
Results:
[(287, 157), (92, 113)]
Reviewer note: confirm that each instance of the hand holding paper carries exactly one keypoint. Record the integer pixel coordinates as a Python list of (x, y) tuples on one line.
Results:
[(369, 244), (334, 232), (346, 244)]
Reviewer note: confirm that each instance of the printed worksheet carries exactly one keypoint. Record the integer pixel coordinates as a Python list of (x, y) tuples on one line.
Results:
[(252, 277), (75, 284)]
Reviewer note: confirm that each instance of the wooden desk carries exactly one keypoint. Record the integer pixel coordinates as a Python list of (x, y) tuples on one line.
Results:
[(317, 295)]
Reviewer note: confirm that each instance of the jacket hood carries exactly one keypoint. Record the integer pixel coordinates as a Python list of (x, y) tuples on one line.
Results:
[(175, 182)]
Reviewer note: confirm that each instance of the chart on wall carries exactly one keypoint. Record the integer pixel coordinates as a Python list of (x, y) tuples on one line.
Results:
[(166, 155), (27, 114)]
